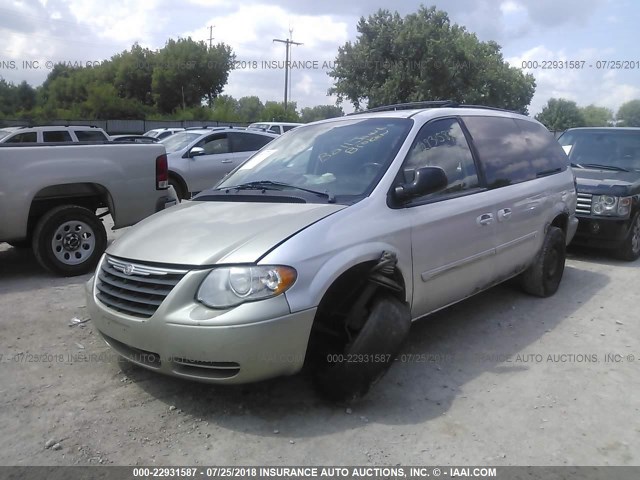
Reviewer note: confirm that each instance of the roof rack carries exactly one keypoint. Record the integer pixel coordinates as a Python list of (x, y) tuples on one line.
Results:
[(426, 104)]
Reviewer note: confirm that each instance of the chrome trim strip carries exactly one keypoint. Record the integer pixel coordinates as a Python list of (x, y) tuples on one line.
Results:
[(426, 276), (517, 241), (137, 269)]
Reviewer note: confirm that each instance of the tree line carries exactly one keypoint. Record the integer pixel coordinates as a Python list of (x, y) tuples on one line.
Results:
[(394, 59), (560, 114)]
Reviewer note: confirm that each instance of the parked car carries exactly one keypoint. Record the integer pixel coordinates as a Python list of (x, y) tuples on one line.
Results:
[(274, 127), (133, 139), (51, 196), (325, 245), (606, 163), (53, 134), (160, 133), (199, 158)]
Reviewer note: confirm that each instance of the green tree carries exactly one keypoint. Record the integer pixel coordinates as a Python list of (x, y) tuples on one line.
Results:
[(250, 109), (25, 96), (186, 72), (629, 114), (424, 57), (596, 116), (560, 114), (275, 112), (320, 112), (225, 109), (7, 98), (133, 72)]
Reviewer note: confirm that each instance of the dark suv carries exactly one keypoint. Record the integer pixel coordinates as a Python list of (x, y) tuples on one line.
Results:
[(606, 163)]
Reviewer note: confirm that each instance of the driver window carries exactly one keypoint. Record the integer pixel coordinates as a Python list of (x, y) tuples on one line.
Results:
[(442, 144), (215, 145)]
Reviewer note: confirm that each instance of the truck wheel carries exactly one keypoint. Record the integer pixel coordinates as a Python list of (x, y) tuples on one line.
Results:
[(350, 374), (542, 279), (630, 249), (69, 240)]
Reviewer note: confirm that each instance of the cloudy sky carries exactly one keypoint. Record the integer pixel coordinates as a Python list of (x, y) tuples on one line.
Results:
[(537, 30)]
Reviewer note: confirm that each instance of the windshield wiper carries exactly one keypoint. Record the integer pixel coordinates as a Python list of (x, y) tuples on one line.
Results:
[(605, 167), (576, 165), (271, 185)]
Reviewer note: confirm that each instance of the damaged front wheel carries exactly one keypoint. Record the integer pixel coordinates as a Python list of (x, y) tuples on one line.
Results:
[(349, 374)]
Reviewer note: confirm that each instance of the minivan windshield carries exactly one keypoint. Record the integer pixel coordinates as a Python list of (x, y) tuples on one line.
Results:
[(178, 141), (345, 157), (603, 148)]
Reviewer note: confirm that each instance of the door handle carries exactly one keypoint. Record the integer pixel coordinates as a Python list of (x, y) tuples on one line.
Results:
[(485, 219), (226, 161), (504, 214)]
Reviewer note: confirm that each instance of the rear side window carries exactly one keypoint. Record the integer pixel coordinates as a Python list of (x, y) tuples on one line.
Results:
[(56, 136), (90, 136), (545, 153), (286, 128), (162, 135), (502, 149), (29, 137), (248, 142)]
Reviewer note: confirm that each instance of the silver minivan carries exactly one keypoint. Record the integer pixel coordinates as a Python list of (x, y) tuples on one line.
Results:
[(323, 247)]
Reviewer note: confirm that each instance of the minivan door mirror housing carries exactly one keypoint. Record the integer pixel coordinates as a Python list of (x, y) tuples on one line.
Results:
[(427, 180), (196, 151)]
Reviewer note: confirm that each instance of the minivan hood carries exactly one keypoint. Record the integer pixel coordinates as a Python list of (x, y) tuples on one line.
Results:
[(606, 182), (200, 233)]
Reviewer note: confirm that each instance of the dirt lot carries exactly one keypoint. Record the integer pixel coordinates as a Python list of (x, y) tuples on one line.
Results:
[(501, 379)]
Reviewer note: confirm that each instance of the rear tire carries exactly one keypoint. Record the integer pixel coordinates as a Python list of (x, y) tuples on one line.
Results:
[(69, 240), (178, 187), (369, 355), (630, 249), (543, 277)]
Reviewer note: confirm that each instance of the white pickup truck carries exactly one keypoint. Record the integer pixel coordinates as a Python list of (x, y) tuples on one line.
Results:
[(50, 195)]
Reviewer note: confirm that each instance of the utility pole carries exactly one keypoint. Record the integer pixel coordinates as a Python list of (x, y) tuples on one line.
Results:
[(211, 36), (288, 44)]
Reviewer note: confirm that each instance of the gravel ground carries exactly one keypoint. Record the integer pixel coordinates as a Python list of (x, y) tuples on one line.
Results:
[(500, 379)]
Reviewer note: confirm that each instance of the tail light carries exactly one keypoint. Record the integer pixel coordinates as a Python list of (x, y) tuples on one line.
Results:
[(162, 173)]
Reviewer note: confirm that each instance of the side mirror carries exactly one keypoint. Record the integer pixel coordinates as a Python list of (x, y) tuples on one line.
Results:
[(427, 180), (196, 151)]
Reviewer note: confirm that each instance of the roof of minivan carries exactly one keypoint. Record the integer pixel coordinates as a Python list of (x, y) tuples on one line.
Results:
[(607, 129), (428, 113)]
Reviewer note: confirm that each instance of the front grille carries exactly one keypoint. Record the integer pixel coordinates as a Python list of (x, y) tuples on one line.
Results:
[(134, 288), (584, 203)]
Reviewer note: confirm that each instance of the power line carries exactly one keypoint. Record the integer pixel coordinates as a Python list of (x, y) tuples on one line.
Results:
[(288, 42), (211, 36)]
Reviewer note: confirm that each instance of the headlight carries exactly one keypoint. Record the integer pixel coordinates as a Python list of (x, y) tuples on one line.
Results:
[(228, 287), (607, 205)]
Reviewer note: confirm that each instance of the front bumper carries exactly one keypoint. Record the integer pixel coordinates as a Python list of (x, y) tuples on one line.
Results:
[(601, 232), (251, 342)]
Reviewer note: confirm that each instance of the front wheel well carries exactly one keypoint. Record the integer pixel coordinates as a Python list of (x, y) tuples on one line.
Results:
[(561, 221), (329, 329)]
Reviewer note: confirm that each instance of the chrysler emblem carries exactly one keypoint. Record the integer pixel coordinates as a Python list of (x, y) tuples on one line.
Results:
[(128, 269)]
